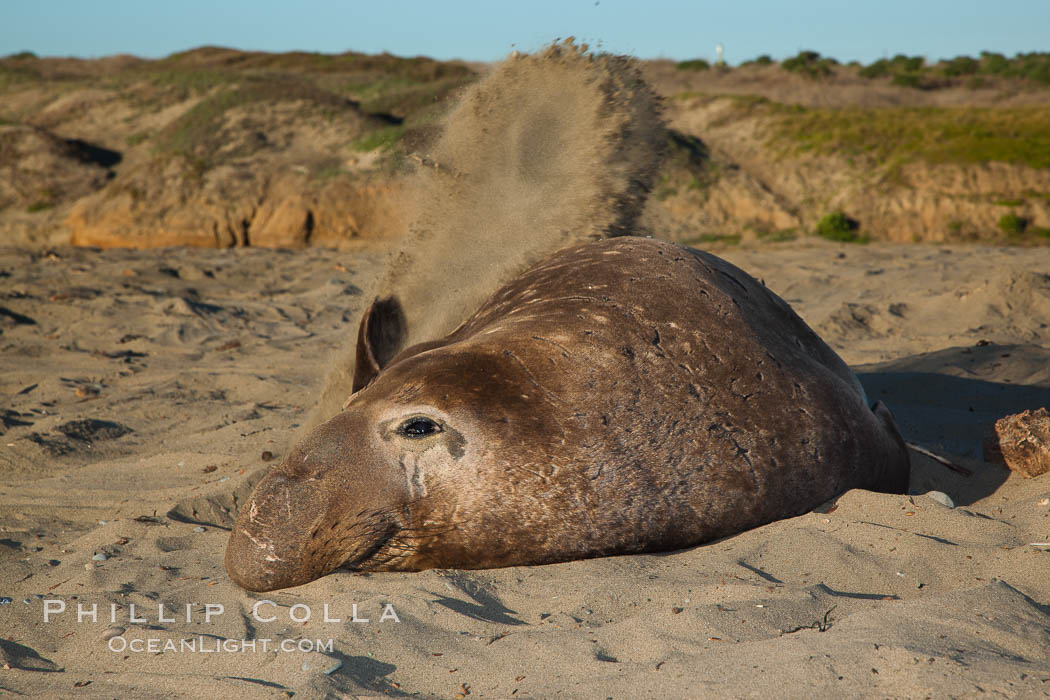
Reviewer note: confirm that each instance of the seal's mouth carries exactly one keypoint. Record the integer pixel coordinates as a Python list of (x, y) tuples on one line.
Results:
[(381, 550)]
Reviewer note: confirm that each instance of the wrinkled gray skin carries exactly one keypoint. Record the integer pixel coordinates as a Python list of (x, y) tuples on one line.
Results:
[(626, 395)]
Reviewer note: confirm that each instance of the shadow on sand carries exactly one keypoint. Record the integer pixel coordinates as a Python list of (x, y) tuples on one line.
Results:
[(951, 414)]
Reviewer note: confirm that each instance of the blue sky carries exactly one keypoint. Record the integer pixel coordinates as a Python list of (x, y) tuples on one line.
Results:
[(487, 31)]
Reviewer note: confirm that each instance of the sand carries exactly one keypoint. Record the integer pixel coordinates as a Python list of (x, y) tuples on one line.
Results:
[(198, 366)]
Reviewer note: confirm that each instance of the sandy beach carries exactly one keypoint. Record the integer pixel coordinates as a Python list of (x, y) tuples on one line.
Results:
[(146, 391), (148, 385)]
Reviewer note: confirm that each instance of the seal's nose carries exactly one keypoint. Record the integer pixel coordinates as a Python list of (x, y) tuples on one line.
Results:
[(269, 545), (305, 517)]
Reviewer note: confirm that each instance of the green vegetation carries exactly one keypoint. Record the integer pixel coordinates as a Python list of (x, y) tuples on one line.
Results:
[(907, 64), (418, 68), (405, 93), (938, 135), (906, 71), (1020, 230), (893, 66), (994, 63), (912, 80), (1012, 224), (779, 235), (186, 83), (694, 64), (40, 206), (687, 167), (687, 152), (664, 190), (161, 83), (16, 75), (198, 134), (402, 96), (329, 172), (810, 64), (836, 226), (366, 88), (878, 69), (136, 139), (379, 138), (960, 65), (197, 130), (382, 84), (1009, 202), (911, 71), (1033, 66), (763, 60)]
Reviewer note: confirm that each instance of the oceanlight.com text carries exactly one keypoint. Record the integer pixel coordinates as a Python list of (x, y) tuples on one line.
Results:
[(202, 644)]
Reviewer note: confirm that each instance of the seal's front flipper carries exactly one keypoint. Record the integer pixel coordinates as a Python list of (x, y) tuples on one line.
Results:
[(897, 471)]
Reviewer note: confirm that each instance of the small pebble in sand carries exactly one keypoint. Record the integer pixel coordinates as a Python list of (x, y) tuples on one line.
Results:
[(101, 556), (89, 566), (102, 522), (941, 497), (319, 662), (53, 562), (199, 529), (112, 632), (1045, 502), (267, 456)]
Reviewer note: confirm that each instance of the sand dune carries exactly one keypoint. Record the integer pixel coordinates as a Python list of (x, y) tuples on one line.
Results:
[(207, 361)]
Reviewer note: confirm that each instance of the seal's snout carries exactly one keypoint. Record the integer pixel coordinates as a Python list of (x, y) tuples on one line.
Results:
[(269, 543), (296, 527)]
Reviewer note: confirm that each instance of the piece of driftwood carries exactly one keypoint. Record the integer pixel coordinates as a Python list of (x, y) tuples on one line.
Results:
[(940, 460)]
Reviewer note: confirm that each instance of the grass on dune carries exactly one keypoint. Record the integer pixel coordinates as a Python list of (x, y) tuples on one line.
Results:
[(1019, 135), (383, 137), (198, 133)]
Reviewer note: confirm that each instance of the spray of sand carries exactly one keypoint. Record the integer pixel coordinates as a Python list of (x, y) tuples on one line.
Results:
[(548, 150)]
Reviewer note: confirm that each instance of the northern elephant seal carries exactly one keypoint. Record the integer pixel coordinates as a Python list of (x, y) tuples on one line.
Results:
[(625, 395)]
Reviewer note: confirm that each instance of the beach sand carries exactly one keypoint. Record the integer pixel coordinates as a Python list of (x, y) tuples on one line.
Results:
[(146, 391)]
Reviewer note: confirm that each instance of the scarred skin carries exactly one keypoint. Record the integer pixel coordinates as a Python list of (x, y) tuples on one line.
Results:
[(625, 395)]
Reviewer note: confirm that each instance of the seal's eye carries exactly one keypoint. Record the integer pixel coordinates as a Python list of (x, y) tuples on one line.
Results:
[(418, 427)]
